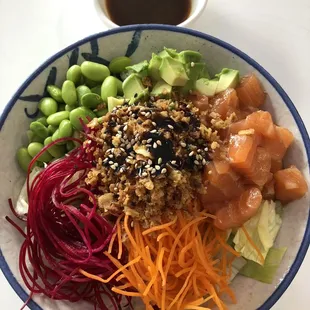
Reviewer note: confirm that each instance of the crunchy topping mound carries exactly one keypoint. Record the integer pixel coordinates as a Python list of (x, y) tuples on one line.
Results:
[(148, 158)]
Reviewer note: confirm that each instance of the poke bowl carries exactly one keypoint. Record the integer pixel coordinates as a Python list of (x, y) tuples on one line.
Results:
[(208, 207)]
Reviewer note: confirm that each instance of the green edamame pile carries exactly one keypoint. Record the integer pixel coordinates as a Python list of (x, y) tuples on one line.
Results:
[(82, 96)]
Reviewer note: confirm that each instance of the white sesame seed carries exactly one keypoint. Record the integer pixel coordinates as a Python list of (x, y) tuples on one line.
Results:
[(158, 142), (153, 171), (164, 170), (147, 166), (122, 149), (204, 162), (130, 157), (199, 151), (105, 160), (119, 132), (191, 153), (157, 167), (154, 124), (173, 162), (111, 162), (111, 156), (132, 141), (143, 141), (125, 128), (170, 126), (196, 162), (115, 189), (142, 113), (149, 162), (113, 167), (206, 149), (192, 64), (183, 144), (154, 145), (160, 160), (116, 164), (128, 146), (153, 131), (149, 140), (147, 114), (144, 174)]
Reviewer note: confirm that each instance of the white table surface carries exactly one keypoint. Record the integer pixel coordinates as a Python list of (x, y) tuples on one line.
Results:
[(276, 33)]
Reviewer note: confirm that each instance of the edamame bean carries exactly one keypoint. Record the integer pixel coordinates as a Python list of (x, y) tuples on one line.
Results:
[(119, 64), (61, 107), (34, 148), (96, 90), (30, 135), (91, 101), (36, 138), (55, 93), (65, 129), (74, 74), (70, 146), (56, 151), (42, 120), (51, 129), (94, 71), (109, 88), (82, 90), (69, 93), (48, 106), (23, 158), (55, 137), (69, 108), (56, 118), (83, 114), (91, 83), (101, 112), (39, 129), (119, 87)]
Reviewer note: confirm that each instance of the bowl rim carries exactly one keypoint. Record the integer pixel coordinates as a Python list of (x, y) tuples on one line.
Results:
[(271, 300)]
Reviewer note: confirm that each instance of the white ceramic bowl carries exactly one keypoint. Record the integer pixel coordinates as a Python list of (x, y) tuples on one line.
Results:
[(197, 8), (139, 42)]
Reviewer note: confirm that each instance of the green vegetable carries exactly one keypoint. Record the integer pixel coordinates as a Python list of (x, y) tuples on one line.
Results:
[(263, 229), (55, 93), (91, 101), (141, 68), (96, 90), (109, 88), (23, 158), (83, 114), (39, 129), (34, 148), (236, 266), (65, 129), (69, 93), (48, 106), (56, 151), (94, 71), (91, 83), (42, 120), (74, 74), (267, 272), (119, 64), (51, 129), (69, 108), (82, 90), (56, 118)]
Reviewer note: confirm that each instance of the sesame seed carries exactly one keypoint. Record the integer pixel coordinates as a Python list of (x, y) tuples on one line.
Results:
[(147, 114), (144, 174), (191, 153), (111, 162), (204, 162), (192, 64), (197, 157), (206, 149), (122, 149), (170, 126), (116, 164), (153, 131), (128, 146), (196, 162), (125, 137), (105, 160), (154, 124), (142, 113), (147, 166), (108, 151), (153, 171), (125, 128), (157, 167), (120, 132), (115, 189), (132, 141), (130, 157), (160, 160), (164, 170), (143, 141), (111, 155), (122, 170), (149, 140), (173, 162), (149, 169), (183, 144), (149, 162), (158, 142), (154, 145), (113, 167)]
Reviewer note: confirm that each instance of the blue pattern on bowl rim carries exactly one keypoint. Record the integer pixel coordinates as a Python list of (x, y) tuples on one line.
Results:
[(132, 46)]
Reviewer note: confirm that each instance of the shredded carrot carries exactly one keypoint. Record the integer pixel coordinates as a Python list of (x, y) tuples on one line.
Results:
[(253, 244), (119, 237), (112, 242), (179, 265)]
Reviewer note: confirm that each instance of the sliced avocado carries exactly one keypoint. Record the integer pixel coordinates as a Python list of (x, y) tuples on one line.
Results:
[(114, 102), (154, 66), (132, 86), (139, 67), (189, 56), (168, 52), (162, 90), (193, 71), (227, 78), (207, 87), (173, 72), (141, 97), (204, 73)]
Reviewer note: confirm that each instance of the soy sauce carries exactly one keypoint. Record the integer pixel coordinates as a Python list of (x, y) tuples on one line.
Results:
[(128, 12)]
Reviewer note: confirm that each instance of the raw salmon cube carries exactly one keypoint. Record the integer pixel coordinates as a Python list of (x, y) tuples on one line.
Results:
[(262, 122), (250, 91), (289, 184), (268, 191), (276, 165)]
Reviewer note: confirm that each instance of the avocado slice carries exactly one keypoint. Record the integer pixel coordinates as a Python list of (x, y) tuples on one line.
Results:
[(162, 90), (193, 71), (154, 66), (207, 87), (189, 56), (132, 86), (168, 52), (227, 78), (114, 102), (173, 72), (142, 96)]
